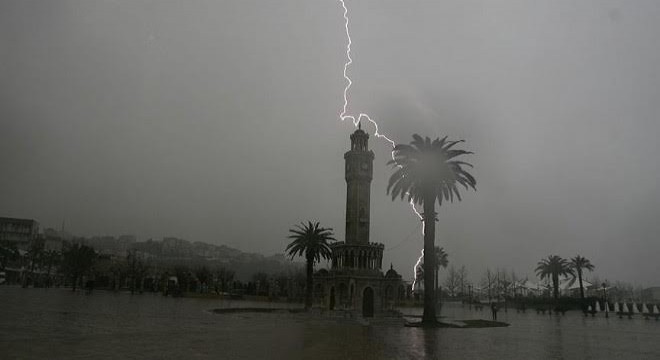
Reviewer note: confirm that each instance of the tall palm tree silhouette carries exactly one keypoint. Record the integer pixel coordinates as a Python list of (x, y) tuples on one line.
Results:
[(578, 263), (311, 241), (553, 267), (427, 171)]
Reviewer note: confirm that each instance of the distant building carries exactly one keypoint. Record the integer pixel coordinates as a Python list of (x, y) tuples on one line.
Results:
[(19, 231), (110, 245), (175, 247), (355, 280), (651, 294), (571, 287), (127, 240)]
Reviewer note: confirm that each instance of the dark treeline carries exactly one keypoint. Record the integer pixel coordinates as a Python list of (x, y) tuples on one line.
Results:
[(80, 266)]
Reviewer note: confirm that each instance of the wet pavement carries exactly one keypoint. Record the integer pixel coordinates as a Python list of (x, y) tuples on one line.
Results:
[(59, 324)]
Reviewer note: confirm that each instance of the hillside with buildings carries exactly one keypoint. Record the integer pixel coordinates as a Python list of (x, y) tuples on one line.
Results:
[(167, 251), (171, 250)]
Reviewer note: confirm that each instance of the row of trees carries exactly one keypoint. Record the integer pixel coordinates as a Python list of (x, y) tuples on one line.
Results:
[(79, 265), (555, 266), (221, 280), (501, 283), (39, 265)]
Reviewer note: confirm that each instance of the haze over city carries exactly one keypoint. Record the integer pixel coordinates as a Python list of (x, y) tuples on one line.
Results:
[(218, 122)]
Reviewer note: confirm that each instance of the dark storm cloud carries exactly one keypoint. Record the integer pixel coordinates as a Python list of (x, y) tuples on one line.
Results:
[(217, 121)]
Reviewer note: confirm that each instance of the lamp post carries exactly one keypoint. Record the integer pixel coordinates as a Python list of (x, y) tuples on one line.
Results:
[(607, 307)]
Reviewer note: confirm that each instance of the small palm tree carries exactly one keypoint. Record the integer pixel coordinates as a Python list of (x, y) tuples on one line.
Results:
[(578, 263), (311, 241), (553, 267), (440, 261), (427, 171)]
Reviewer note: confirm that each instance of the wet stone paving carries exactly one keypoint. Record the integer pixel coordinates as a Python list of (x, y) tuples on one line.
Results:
[(59, 324)]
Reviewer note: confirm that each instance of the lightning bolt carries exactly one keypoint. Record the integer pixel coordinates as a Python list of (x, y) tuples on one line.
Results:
[(356, 119), (349, 60), (419, 261)]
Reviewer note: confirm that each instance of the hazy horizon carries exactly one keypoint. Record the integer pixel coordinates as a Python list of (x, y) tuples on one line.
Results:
[(218, 122)]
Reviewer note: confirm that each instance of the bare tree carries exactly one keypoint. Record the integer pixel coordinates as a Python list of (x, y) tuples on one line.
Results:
[(452, 282), (514, 283), (489, 282), (503, 283), (462, 279), (225, 277)]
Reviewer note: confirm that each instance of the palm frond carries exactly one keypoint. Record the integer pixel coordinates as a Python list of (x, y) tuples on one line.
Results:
[(424, 168)]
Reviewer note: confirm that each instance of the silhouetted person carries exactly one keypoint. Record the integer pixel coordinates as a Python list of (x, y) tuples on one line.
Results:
[(493, 308)]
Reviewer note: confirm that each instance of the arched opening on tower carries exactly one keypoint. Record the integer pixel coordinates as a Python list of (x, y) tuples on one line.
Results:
[(343, 295), (368, 302)]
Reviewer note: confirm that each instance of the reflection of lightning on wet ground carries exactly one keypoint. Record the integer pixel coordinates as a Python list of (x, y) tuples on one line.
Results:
[(356, 120)]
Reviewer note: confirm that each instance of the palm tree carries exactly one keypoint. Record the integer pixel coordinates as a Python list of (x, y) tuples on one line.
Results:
[(578, 263), (426, 172), (440, 261), (311, 241), (553, 267)]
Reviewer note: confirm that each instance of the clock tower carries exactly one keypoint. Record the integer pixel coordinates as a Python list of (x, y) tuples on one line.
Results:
[(355, 280), (359, 172)]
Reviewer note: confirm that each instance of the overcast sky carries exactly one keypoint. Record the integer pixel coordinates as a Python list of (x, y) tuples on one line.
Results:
[(218, 121)]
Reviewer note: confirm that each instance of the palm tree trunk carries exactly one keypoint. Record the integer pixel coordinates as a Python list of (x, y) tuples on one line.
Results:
[(310, 284), (581, 287), (429, 260), (555, 286)]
